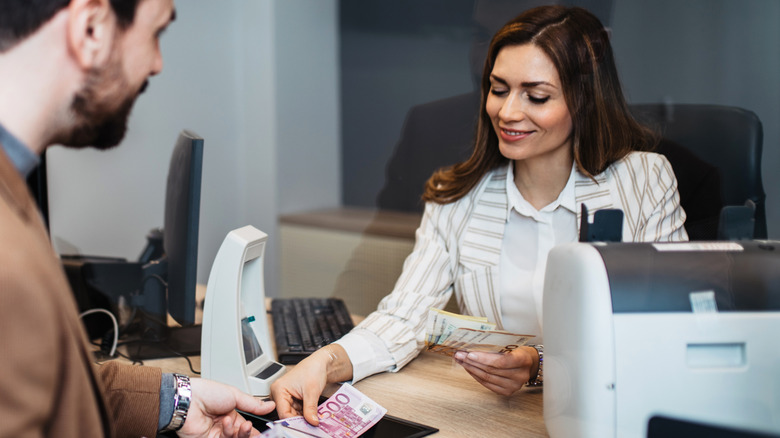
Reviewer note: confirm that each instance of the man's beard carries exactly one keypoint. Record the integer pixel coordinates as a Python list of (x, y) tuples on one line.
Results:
[(99, 121)]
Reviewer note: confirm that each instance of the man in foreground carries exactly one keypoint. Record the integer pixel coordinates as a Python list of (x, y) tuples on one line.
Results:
[(70, 71)]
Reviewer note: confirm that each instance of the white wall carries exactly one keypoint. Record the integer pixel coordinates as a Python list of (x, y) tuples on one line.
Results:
[(242, 75), (308, 104)]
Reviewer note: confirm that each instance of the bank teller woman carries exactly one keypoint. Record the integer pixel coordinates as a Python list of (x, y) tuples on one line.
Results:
[(554, 133)]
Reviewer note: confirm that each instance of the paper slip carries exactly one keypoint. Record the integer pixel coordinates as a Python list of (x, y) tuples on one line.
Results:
[(347, 413)]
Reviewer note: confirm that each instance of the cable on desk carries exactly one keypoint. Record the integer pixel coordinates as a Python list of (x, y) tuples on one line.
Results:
[(118, 354), (116, 326), (189, 362), (156, 341)]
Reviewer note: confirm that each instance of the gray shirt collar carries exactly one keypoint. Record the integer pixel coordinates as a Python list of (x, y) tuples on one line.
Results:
[(23, 158)]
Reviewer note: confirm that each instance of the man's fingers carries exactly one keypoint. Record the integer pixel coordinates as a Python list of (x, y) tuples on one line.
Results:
[(251, 404), (246, 429), (227, 425), (238, 421)]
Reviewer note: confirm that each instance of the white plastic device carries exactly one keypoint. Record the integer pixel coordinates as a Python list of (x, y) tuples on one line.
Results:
[(609, 372), (235, 345)]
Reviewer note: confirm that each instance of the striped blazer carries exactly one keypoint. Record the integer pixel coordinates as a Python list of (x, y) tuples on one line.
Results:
[(458, 245)]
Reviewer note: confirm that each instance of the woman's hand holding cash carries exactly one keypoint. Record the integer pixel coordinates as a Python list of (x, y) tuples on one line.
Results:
[(502, 373), (498, 360)]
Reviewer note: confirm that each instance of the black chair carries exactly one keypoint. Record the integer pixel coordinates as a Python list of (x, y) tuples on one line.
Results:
[(727, 138)]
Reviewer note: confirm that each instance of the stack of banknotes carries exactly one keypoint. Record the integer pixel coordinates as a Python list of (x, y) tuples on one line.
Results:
[(347, 413), (448, 332)]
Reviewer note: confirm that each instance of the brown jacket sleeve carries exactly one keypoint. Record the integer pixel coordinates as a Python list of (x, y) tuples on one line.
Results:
[(132, 397), (47, 387)]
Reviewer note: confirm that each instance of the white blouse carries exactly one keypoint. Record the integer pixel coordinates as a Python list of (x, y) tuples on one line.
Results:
[(529, 236)]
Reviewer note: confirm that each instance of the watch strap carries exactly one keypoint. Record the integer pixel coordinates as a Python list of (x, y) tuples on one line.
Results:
[(181, 402), (538, 380)]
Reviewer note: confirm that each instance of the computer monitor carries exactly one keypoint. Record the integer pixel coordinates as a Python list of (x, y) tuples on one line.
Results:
[(169, 274), (162, 281), (180, 236)]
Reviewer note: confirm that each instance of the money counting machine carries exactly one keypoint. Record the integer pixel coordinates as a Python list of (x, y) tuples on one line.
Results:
[(662, 340)]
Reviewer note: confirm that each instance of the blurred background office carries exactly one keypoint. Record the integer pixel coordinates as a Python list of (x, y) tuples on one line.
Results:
[(302, 104)]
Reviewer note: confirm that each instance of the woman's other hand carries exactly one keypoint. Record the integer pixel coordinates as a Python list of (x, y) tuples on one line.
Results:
[(502, 373)]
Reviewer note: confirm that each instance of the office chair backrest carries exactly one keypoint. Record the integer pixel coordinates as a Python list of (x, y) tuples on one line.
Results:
[(728, 138)]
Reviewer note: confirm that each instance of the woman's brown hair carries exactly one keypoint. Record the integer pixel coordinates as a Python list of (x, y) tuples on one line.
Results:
[(603, 130)]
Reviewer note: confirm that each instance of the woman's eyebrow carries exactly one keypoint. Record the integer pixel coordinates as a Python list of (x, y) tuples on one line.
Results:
[(536, 84), (531, 84), (498, 79)]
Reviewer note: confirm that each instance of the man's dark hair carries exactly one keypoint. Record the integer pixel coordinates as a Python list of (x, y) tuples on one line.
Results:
[(21, 18)]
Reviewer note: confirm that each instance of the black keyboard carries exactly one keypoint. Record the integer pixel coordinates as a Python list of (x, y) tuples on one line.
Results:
[(303, 325)]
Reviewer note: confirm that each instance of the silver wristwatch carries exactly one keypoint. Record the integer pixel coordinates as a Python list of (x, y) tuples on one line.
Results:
[(539, 379), (181, 403)]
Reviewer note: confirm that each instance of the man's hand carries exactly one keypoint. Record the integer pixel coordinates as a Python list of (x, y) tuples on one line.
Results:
[(502, 373), (213, 413)]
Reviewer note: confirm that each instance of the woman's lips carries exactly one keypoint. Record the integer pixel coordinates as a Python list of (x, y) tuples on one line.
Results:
[(512, 135)]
